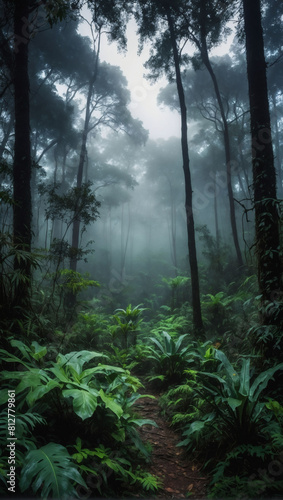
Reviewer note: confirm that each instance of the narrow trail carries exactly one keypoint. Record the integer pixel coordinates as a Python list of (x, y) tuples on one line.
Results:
[(180, 476)]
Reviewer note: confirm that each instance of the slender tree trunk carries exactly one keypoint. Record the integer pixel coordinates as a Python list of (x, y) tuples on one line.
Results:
[(264, 176), (197, 318), (216, 215), (76, 223), (124, 247), (172, 227), (22, 209), (207, 63), (83, 156), (173, 230)]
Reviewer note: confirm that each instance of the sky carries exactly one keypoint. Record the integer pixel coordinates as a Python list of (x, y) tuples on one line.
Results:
[(159, 121)]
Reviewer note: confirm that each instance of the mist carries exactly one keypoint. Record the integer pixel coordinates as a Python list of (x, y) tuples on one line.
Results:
[(141, 285)]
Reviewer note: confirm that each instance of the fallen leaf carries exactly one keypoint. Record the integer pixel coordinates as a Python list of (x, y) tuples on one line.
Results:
[(190, 487)]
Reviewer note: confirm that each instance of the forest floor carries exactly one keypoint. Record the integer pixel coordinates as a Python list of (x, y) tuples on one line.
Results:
[(180, 476)]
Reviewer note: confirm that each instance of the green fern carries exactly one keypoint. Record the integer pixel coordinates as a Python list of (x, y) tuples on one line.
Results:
[(183, 389), (148, 481), (50, 471), (250, 450), (182, 418)]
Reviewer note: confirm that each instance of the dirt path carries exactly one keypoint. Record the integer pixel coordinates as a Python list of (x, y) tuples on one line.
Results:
[(181, 477)]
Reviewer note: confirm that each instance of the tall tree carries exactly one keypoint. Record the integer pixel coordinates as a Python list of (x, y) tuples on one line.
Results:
[(168, 57), (188, 182), (89, 108), (23, 29), (202, 22), (22, 208), (264, 176)]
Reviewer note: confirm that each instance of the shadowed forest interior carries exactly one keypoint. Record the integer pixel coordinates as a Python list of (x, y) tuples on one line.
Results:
[(141, 314)]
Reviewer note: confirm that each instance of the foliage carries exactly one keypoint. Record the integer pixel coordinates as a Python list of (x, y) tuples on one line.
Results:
[(51, 299), (75, 391), (128, 322), (79, 203), (268, 338), (170, 356), (94, 401), (12, 279), (91, 329), (174, 324), (106, 463), (225, 419), (178, 287), (75, 282), (236, 400), (50, 470), (246, 471)]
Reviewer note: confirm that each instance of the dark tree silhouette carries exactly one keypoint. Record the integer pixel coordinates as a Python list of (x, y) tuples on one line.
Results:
[(264, 176), (197, 317), (22, 208)]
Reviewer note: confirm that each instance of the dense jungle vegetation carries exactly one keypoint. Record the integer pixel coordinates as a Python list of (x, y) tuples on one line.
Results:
[(131, 264)]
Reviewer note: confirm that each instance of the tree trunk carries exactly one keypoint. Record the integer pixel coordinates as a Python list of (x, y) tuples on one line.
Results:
[(124, 247), (22, 208), (217, 234), (264, 176), (207, 63), (83, 156), (173, 229), (197, 318)]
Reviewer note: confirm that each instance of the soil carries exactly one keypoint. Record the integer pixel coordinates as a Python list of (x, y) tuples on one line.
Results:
[(180, 476)]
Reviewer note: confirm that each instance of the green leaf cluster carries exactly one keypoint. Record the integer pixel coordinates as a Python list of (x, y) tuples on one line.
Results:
[(236, 400)]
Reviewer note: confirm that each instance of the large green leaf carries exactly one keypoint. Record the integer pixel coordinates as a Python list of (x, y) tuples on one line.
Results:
[(50, 472), (32, 378), (179, 342), (11, 358), (142, 421), (159, 345), (105, 369), (84, 402), (215, 376), (234, 403), (77, 359), (245, 378), (37, 351), (111, 404), (262, 380), (25, 350), (228, 367), (169, 344), (38, 392), (59, 372)]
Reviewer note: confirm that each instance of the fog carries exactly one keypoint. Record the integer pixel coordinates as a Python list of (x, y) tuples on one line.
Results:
[(132, 161), (140, 234), (141, 265)]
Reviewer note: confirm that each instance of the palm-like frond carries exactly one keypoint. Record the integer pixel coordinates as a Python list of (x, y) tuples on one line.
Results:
[(50, 470)]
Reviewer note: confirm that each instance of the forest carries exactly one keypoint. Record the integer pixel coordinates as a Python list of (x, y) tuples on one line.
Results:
[(141, 312)]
